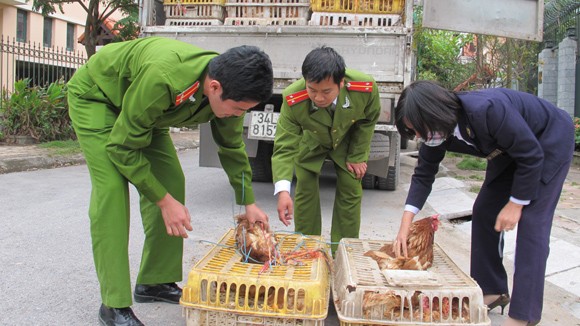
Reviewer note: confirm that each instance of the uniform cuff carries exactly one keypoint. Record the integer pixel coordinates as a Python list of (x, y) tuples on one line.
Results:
[(412, 209), (282, 185), (519, 201)]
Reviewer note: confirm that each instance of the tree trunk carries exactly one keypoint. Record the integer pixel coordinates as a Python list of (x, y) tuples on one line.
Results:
[(92, 27)]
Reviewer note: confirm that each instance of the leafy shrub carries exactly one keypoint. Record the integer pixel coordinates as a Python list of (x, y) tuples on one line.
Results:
[(39, 112)]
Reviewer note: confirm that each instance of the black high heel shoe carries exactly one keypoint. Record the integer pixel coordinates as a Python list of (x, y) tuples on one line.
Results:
[(502, 301)]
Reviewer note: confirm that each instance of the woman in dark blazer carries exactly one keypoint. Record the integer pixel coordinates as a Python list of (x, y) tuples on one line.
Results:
[(528, 143)]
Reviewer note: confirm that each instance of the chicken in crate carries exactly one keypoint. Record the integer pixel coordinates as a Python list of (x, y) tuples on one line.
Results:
[(373, 287), (256, 277)]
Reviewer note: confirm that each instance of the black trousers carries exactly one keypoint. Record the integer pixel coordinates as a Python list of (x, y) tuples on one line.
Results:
[(532, 243)]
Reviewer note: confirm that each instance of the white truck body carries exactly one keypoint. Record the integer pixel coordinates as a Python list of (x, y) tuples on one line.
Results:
[(383, 52)]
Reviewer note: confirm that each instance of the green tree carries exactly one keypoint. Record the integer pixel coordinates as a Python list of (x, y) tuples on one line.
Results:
[(500, 61), (438, 54), (97, 12)]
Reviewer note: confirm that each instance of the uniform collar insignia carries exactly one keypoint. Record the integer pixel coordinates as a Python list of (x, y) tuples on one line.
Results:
[(346, 103)]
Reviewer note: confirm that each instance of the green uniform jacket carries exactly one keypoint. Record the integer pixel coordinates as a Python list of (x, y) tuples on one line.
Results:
[(157, 83), (305, 134)]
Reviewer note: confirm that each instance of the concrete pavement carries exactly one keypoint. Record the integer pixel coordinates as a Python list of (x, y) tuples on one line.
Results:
[(562, 300)]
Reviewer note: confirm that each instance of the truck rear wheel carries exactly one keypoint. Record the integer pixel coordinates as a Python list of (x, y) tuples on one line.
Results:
[(368, 181), (262, 163), (390, 182)]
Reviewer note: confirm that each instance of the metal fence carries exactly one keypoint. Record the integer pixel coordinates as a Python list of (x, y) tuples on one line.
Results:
[(41, 65), (560, 16)]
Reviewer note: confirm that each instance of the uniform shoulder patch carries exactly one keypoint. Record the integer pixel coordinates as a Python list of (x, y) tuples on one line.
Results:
[(297, 97), (360, 86), (189, 92)]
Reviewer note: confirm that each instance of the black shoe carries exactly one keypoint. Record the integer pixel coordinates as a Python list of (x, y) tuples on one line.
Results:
[(502, 301), (118, 317), (168, 292)]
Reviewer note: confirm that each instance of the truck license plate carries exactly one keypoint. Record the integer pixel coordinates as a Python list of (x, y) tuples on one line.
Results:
[(263, 125)]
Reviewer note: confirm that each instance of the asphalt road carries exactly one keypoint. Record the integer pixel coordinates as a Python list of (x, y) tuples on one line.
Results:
[(46, 265)]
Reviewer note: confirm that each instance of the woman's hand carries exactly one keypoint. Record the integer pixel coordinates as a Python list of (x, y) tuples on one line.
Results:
[(400, 243), (508, 217), (175, 216)]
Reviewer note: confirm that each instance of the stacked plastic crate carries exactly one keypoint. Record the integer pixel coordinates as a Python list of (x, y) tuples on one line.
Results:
[(365, 295), (222, 289), (194, 12), (375, 13), (267, 12)]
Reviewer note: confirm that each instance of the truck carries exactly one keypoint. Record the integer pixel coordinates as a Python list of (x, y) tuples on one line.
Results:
[(373, 36), (378, 43)]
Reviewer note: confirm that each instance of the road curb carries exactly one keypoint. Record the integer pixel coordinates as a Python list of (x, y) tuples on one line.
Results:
[(21, 164)]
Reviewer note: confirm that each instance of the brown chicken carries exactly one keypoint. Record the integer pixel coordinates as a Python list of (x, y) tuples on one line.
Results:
[(419, 248), (256, 244)]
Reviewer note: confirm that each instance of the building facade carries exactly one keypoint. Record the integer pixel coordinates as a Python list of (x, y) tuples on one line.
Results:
[(42, 49)]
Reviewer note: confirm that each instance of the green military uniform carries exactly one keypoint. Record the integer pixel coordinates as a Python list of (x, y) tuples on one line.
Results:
[(306, 136), (122, 102)]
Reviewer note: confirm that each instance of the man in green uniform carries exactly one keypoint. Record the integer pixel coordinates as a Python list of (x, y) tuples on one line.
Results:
[(122, 102), (328, 114)]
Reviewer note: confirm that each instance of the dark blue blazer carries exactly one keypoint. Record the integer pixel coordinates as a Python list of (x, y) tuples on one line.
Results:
[(506, 127)]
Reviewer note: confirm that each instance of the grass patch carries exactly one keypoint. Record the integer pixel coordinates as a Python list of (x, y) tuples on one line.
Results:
[(453, 154), (62, 147), (472, 163), (475, 189), (476, 177)]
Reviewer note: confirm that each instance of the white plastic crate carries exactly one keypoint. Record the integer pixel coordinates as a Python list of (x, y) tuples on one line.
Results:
[(265, 21), (347, 19), (269, 9), (197, 11), (364, 295), (193, 22), (223, 290)]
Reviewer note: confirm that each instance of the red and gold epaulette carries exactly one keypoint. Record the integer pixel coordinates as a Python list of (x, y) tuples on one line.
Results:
[(360, 86), (187, 93), (297, 97)]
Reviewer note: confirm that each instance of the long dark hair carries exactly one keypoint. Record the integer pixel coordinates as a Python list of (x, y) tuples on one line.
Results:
[(427, 107)]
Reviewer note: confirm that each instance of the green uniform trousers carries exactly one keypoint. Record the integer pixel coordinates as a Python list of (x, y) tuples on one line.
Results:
[(161, 260), (347, 203)]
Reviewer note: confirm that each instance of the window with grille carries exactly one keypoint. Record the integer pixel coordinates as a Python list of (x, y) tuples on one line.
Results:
[(70, 37), (47, 36), (21, 25)]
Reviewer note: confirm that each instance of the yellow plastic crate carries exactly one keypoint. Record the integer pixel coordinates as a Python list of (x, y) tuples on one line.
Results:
[(364, 295), (359, 6), (347, 19), (223, 290)]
